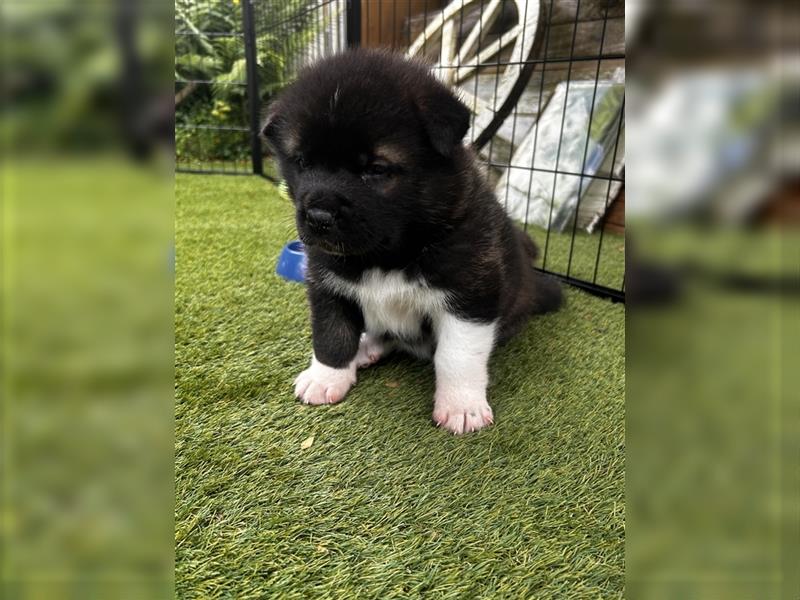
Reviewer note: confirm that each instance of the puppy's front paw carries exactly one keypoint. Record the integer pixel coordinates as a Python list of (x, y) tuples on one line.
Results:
[(320, 384), (462, 411)]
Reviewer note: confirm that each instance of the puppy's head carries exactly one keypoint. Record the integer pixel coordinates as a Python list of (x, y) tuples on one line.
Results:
[(369, 144)]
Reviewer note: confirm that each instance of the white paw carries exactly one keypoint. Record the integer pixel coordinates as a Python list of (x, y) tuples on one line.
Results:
[(462, 411), (320, 384), (370, 350)]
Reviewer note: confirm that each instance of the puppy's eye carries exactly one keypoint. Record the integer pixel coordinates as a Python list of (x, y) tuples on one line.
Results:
[(301, 162), (376, 170)]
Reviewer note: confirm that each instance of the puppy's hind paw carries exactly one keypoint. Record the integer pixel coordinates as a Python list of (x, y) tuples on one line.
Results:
[(320, 384), (370, 350)]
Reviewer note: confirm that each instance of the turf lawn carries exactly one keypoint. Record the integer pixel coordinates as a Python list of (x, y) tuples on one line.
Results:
[(381, 504)]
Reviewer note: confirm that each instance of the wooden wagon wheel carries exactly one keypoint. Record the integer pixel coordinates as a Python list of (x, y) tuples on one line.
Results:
[(488, 116)]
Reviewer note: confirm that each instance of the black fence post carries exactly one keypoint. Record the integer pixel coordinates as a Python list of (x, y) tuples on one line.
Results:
[(353, 22), (251, 60)]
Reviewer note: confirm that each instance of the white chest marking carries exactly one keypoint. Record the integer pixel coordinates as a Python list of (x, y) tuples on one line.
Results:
[(390, 302)]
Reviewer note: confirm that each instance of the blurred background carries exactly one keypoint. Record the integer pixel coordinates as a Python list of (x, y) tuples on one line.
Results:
[(87, 216), (712, 278), (713, 272)]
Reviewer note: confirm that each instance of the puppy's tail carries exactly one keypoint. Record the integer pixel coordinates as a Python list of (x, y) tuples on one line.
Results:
[(530, 248), (547, 294)]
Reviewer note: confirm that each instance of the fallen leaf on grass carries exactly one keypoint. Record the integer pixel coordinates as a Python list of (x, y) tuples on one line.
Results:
[(392, 384), (306, 444)]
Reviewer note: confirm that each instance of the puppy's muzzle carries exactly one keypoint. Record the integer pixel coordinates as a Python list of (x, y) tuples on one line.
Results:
[(322, 210), (320, 219)]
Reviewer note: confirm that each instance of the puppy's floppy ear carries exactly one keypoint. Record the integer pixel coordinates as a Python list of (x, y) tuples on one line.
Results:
[(445, 118), (271, 128)]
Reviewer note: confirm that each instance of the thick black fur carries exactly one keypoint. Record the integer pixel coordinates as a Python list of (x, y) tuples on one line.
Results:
[(426, 209)]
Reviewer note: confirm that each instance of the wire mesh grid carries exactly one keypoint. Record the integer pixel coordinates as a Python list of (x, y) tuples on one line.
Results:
[(231, 58), (211, 126), (544, 80)]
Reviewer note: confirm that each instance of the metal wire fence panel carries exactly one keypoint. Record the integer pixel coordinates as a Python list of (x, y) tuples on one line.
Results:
[(211, 125), (232, 57), (544, 80)]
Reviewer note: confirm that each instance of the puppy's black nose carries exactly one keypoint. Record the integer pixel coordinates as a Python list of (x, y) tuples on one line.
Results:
[(319, 218)]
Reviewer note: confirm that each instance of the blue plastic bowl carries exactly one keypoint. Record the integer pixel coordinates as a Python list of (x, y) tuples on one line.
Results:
[(292, 262)]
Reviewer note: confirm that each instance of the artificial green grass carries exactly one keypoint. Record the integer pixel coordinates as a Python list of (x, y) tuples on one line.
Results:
[(585, 256), (382, 504)]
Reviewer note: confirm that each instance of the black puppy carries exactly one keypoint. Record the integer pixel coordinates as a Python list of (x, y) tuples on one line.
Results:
[(407, 246)]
